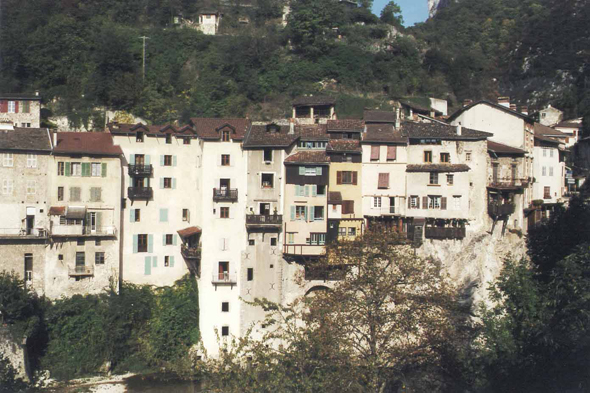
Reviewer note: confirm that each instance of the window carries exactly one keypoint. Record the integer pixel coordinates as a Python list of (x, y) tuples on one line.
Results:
[(95, 194), (391, 205), (60, 193), (433, 178), (224, 244), (544, 171), (375, 153), (547, 193), (97, 242), (96, 169), (142, 243), (352, 231), (225, 160), (167, 182), (346, 177), (60, 169), (139, 137), (7, 187), (377, 202), (273, 241), (168, 139), (169, 240), (31, 187), (457, 202), (225, 307), (166, 261), (414, 202), (75, 194), (267, 155), (347, 207), (321, 190), (80, 242), (167, 160), (551, 153), (250, 274), (185, 215), (318, 213), (550, 171), (450, 179), (11, 106), (311, 171), (26, 107), (391, 153), (31, 161), (316, 239), (544, 152), (225, 136), (225, 331), (136, 215), (224, 212), (251, 242), (341, 231), (267, 180), (8, 159), (300, 213), (434, 202), (445, 157), (428, 156), (99, 258), (291, 238), (28, 267), (383, 182), (76, 169), (186, 141)]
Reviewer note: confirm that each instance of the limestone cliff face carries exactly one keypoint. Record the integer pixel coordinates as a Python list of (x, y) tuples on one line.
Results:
[(435, 5)]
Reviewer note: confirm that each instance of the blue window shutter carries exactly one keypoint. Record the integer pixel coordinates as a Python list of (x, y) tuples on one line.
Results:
[(165, 215), (164, 239), (292, 213), (173, 160), (161, 160), (161, 183), (131, 215), (132, 159), (311, 213), (318, 170), (302, 170), (135, 244), (155, 261), (174, 183), (175, 237), (172, 261), (147, 161), (305, 210), (150, 243), (314, 190), (162, 217), (148, 266)]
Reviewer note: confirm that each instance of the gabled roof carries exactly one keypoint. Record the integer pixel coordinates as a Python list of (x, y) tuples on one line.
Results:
[(25, 139), (19, 96), (313, 132), (438, 168), (308, 157), (269, 136), (153, 130), (346, 125), (373, 116), (91, 143), (500, 148), (384, 134), (548, 134), (210, 128), (344, 146), (313, 100), (416, 130), (526, 118), (572, 123)]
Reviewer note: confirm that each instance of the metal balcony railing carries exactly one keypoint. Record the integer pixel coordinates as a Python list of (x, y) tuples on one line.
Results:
[(190, 252), (22, 232), (499, 210), (264, 220), (140, 192), (225, 194), (141, 170), (79, 271), (440, 233), (224, 278), (508, 183)]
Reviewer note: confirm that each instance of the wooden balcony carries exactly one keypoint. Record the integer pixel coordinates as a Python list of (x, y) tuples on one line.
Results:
[(442, 233), (225, 194), (190, 252), (140, 192), (508, 184), (81, 271), (264, 222), (501, 210), (141, 170)]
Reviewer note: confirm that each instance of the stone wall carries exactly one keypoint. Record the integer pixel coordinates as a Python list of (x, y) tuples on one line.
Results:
[(16, 353)]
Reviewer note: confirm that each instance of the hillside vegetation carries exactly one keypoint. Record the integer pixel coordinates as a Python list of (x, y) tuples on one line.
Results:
[(87, 54)]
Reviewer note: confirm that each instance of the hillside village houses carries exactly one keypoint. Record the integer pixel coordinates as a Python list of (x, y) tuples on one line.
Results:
[(247, 208)]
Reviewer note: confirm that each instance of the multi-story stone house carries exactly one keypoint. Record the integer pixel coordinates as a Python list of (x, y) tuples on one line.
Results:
[(24, 168), (85, 214), (446, 179), (571, 128), (313, 109), (22, 110)]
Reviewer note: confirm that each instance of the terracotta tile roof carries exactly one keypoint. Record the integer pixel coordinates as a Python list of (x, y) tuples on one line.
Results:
[(131, 129), (186, 232), (569, 124), (269, 135), (57, 210), (26, 139), (93, 143), (210, 128), (541, 130), (417, 107), (308, 157), (500, 148), (441, 131), (19, 96), (438, 168), (526, 118), (373, 116), (344, 145), (314, 132), (383, 133), (350, 125), (335, 198), (313, 100)]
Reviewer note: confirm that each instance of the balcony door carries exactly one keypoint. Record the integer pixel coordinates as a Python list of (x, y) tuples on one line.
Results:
[(139, 159), (139, 182), (224, 270), (265, 209), (224, 184), (30, 220), (92, 222)]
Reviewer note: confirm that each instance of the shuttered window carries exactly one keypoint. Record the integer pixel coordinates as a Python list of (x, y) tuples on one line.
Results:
[(75, 194), (347, 207), (375, 153), (383, 180), (391, 153), (95, 194)]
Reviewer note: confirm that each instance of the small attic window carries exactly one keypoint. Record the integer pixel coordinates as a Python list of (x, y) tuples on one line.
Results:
[(225, 136), (168, 139), (139, 136), (273, 128)]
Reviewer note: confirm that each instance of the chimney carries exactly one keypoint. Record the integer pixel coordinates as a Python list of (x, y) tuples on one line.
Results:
[(459, 129), (467, 102), (524, 110), (397, 119), (504, 101), (291, 126), (54, 138)]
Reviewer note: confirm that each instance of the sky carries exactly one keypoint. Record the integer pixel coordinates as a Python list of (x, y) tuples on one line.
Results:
[(413, 11)]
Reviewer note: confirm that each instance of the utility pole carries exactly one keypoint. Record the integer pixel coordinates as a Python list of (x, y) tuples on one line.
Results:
[(143, 66)]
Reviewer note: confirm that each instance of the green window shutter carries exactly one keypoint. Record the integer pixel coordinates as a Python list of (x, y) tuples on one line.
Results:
[(302, 170), (150, 243), (155, 261), (161, 160), (164, 239), (174, 183), (173, 160), (135, 247), (174, 239), (147, 159), (99, 219), (163, 215), (314, 190), (104, 169), (85, 169), (311, 213), (161, 182), (305, 212), (172, 261), (68, 169), (292, 213), (148, 266), (318, 171), (132, 159), (306, 191), (131, 216)]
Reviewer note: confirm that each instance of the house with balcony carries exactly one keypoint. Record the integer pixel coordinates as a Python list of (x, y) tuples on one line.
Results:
[(85, 214), (313, 109), (384, 160), (24, 177), (445, 180), (21, 110), (160, 197), (572, 129)]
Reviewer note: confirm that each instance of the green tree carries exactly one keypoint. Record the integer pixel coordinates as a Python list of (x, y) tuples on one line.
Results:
[(392, 14)]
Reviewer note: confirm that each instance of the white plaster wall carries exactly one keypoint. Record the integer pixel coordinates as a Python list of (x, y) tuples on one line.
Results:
[(555, 182)]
